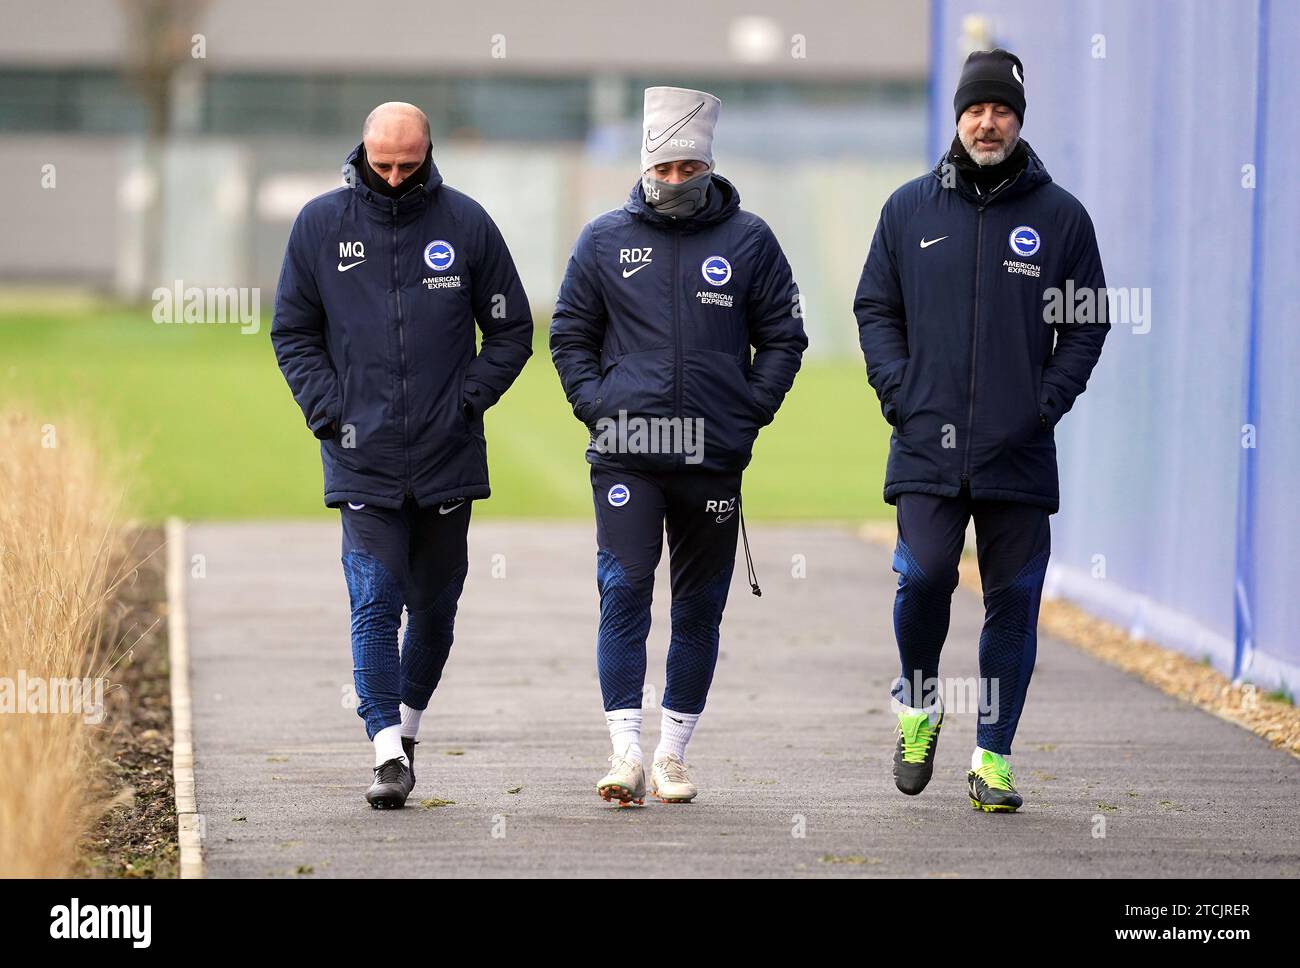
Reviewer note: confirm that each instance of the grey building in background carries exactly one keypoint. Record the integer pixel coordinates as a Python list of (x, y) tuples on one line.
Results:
[(184, 136)]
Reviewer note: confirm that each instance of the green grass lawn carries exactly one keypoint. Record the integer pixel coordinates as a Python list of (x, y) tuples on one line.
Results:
[(214, 433)]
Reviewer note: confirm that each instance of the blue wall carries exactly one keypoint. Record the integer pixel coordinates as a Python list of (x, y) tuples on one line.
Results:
[(1168, 525)]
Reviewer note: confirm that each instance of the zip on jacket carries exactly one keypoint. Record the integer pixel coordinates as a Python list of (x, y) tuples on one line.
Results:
[(1008, 250), (434, 264), (730, 292)]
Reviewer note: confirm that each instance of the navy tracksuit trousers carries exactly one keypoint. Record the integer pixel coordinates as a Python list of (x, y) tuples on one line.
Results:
[(415, 558), (1013, 543), (701, 512)]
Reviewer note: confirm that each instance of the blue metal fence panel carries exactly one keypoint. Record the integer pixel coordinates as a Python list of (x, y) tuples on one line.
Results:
[(1274, 520), (1150, 113)]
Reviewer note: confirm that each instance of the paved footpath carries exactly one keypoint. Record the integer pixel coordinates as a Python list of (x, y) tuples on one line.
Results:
[(792, 754)]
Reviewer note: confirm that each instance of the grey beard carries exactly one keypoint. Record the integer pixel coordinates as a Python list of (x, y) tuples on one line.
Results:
[(983, 158), (681, 200)]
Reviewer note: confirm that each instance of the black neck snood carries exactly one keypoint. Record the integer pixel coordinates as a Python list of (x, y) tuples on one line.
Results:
[(376, 183), (988, 177)]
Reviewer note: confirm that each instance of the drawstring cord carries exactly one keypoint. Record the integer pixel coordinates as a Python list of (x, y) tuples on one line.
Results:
[(750, 573)]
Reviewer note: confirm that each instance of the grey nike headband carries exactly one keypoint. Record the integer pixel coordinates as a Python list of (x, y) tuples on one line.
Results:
[(678, 126)]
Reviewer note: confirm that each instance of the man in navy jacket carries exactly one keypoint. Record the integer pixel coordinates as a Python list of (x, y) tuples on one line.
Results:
[(382, 284), (653, 326), (981, 313)]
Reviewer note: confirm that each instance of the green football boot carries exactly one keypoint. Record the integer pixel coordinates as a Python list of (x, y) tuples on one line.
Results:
[(918, 738), (992, 786)]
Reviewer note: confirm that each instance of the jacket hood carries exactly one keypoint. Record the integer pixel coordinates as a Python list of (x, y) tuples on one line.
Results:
[(411, 199), (723, 202), (1034, 175)]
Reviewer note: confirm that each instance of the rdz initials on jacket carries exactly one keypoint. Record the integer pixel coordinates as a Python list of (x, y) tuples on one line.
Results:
[(440, 255), (638, 258)]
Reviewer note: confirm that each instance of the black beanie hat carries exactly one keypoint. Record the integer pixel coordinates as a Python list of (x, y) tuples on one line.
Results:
[(992, 75)]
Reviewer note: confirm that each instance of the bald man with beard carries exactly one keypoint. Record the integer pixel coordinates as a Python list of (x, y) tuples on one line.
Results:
[(383, 283)]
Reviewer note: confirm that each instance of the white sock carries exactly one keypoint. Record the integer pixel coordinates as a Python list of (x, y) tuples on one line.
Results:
[(934, 710), (674, 733), (625, 732), (388, 745), (977, 758), (410, 721)]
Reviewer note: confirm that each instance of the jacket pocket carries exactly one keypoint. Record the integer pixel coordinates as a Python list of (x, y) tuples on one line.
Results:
[(717, 392), (1042, 406), (902, 395), (640, 384), (591, 411), (1025, 427), (466, 422), (342, 416), (1036, 408)]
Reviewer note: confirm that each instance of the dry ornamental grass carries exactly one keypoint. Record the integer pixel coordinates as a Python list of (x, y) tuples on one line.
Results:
[(58, 549)]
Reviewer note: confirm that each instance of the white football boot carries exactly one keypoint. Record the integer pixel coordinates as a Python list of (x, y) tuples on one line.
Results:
[(670, 783), (625, 781)]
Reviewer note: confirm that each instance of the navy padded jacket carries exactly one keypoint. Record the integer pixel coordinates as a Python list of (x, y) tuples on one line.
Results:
[(951, 319), (374, 332), (656, 317)]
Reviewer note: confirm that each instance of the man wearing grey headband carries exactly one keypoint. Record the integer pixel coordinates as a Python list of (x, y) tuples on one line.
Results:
[(660, 306), (677, 150)]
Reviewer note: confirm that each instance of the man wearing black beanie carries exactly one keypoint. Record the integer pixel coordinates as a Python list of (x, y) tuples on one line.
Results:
[(973, 372), (990, 106)]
